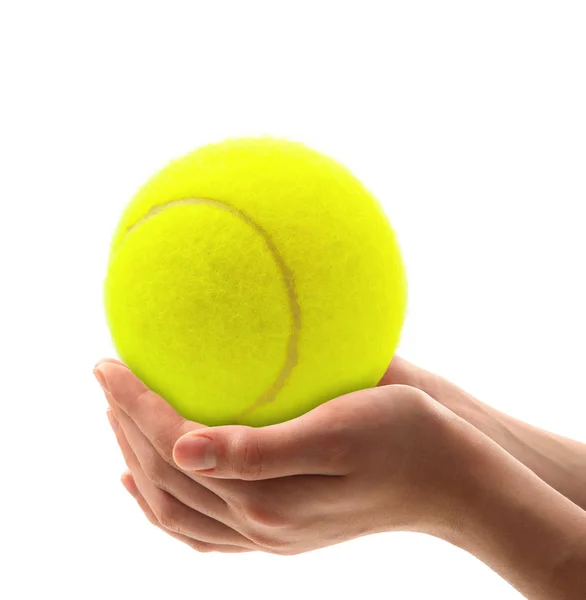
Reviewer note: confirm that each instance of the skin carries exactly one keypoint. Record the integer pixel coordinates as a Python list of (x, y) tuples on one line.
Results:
[(415, 453), (559, 461)]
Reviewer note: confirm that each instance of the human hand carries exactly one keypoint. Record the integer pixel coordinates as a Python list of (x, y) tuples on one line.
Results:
[(557, 460), (381, 459)]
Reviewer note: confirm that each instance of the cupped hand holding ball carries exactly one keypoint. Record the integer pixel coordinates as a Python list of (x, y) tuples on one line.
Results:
[(249, 283), (256, 294), (383, 459)]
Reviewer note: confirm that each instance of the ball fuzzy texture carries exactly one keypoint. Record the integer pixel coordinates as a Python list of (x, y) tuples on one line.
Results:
[(252, 280)]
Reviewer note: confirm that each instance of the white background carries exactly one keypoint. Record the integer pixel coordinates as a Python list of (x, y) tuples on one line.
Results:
[(467, 120)]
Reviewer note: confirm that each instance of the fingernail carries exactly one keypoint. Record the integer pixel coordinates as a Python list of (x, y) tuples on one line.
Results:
[(101, 379), (112, 419), (195, 453)]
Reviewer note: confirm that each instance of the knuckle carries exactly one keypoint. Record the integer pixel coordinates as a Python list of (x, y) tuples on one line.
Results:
[(269, 542), (201, 546), (416, 407), (247, 457), (165, 440), (167, 513), (411, 396), (258, 512), (164, 447), (262, 515), (155, 468)]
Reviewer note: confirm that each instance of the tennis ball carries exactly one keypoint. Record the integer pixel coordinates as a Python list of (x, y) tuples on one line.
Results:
[(252, 280)]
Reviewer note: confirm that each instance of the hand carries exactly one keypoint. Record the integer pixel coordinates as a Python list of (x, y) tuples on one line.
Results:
[(559, 461), (381, 459)]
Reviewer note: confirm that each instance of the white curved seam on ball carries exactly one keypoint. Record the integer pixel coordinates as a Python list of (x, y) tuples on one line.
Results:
[(291, 356)]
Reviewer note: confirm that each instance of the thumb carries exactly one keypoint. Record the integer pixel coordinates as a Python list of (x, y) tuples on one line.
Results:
[(306, 445)]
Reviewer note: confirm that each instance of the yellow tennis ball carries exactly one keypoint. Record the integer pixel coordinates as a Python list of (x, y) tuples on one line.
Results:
[(252, 280)]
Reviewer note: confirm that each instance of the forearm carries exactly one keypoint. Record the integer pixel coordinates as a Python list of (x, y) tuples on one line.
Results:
[(522, 528), (559, 461)]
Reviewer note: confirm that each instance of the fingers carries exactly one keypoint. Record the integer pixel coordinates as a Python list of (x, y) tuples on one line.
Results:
[(153, 415), (314, 443), (132, 489), (171, 514), (169, 478), (305, 445), (128, 482)]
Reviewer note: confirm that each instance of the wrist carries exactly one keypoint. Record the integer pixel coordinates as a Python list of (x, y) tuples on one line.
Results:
[(518, 525)]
